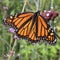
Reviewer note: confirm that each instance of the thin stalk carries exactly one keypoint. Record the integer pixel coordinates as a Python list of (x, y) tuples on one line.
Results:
[(12, 49), (40, 6), (31, 7), (11, 40), (52, 2), (24, 5), (37, 4), (43, 4)]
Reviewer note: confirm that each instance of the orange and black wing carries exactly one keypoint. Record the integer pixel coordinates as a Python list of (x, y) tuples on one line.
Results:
[(26, 28), (44, 31), (36, 28), (33, 27), (25, 25)]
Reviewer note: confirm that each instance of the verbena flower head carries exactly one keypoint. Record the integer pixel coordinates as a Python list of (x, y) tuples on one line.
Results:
[(54, 14), (49, 15), (12, 53), (15, 37), (6, 56), (11, 30), (5, 8)]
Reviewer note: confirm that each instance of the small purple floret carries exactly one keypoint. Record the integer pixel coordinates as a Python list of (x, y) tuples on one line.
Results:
[(12, 52), (15, 37), (11, 30), (5, 8), (6, 56)]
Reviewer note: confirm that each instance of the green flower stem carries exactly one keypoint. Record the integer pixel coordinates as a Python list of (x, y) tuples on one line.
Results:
[(52, 2), (37, 4), (43, 5), (24, 5), (12, 49), (11, 40), (40, 5)]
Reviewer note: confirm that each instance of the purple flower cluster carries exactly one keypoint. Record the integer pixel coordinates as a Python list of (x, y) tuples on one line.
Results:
[(5, 8), (49, 15), (12, 30), (15, 37), (12, 52)]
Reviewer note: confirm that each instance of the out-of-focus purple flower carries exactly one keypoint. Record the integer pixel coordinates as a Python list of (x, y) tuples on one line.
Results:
[(12, 53), (49, 15), (15, 37), (54, 14), (6, 56), (5, 8), (11, 30), (45, 11)]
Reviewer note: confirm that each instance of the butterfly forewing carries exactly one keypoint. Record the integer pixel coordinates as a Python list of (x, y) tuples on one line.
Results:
[(28, 32), (21, 19)]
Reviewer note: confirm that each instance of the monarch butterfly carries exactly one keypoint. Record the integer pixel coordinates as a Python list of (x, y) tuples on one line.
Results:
[(31, 26)]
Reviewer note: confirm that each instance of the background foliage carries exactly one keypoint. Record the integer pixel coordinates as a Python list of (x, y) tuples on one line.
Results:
[(21, 49)]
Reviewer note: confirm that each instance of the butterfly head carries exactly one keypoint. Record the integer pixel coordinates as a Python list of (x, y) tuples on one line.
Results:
[(8, 21)]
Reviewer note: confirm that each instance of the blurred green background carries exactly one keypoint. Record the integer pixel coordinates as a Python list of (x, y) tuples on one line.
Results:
[(23, 50)]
